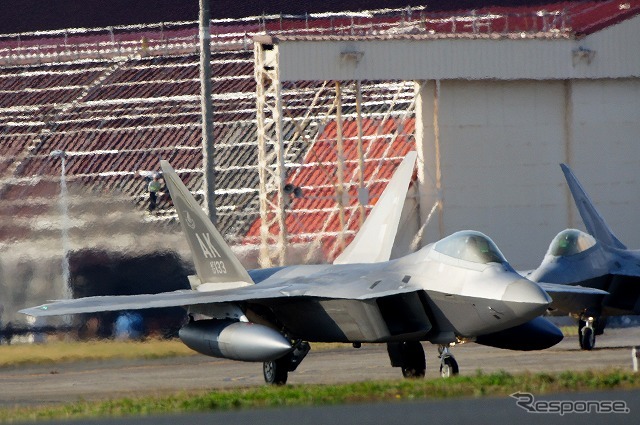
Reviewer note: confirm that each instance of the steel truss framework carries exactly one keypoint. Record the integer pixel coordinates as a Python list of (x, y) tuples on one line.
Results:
[(288, 126)]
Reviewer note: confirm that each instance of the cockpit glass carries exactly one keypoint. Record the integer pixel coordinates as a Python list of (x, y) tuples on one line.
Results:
[(470, 246), (571, 242)]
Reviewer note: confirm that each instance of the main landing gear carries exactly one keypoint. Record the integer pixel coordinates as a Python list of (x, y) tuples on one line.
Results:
[(277, 371), (409, 356)]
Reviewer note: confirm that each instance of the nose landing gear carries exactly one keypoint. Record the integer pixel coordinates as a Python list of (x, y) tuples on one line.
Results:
[(586, 333), (448, 364)]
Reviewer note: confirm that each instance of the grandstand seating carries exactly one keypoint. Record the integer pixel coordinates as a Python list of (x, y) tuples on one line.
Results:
[(118, 100)]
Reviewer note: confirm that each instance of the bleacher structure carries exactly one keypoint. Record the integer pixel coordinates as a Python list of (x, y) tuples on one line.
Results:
[(118, 99)]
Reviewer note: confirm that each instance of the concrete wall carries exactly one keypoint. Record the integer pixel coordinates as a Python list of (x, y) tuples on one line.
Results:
[(500, 146)]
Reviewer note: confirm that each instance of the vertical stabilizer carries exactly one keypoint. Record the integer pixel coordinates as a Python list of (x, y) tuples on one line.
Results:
[(593, 221), (374, 241), (214, 261)]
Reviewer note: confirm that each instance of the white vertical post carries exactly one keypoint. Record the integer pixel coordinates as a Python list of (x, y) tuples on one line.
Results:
[(271, 167), (427, 135), (363, 195), (340, 195)]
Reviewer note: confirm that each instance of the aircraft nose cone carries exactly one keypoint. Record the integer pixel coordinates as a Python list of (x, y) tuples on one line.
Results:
[(526, 298)]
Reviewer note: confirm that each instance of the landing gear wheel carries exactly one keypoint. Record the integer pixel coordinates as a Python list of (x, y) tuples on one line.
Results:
[(415, 363), (448, 363), (587, 339), (581, 325), (599, 324), (586, 334), (276, 371), (448, 367)]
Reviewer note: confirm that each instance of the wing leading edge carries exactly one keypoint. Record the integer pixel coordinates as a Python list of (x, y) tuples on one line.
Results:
[(572, 298), (281, 289)]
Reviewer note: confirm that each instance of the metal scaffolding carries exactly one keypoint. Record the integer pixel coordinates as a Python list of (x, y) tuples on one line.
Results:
[(290, 122), (273, 231)]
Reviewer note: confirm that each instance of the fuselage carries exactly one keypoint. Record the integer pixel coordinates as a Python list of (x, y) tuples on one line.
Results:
[(436, 294), (576, 258)]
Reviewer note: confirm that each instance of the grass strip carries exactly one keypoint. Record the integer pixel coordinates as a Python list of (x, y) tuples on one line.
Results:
[(569, 331), (478, 385), (55, 352), (58, 351)]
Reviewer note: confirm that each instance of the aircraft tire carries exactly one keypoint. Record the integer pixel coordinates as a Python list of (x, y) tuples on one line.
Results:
[(449, 367), (587, 339), (415, 364), (581, 325), (580, 339), (599, 324), (276, 371)]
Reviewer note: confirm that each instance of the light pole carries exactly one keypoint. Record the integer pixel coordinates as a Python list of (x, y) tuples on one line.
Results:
[(207, 112), (64, 221)]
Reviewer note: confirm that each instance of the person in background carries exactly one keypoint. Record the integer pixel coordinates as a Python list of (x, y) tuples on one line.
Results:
[(154, 186)]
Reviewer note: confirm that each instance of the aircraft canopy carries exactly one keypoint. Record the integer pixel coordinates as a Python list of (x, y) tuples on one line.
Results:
[(470, 246), (570, 242)]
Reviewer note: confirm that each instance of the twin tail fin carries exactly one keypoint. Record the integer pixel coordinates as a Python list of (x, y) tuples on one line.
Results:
[(216, 265)]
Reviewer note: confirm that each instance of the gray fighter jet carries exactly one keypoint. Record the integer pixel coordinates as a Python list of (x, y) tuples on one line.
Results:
[(458, 289), (596, 259)]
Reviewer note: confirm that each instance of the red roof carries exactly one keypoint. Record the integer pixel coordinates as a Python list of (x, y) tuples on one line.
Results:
[(33, 15)]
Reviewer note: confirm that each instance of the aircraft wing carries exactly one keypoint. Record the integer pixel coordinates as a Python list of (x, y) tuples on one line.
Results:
[(572, 298), (262, 293)]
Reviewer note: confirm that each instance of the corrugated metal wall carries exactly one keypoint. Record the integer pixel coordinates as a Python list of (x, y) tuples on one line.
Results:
[(616, 55), (500, 146), (606, 150)]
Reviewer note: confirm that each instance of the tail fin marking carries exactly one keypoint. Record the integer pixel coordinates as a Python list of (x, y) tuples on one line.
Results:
[(214, 261)]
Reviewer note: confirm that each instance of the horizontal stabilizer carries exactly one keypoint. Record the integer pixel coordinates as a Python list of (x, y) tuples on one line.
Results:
[(374, 241), (593, 221), (572, 298)]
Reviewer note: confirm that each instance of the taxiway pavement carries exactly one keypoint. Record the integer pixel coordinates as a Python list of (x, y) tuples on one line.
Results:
[(94, 380)]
